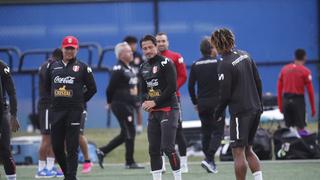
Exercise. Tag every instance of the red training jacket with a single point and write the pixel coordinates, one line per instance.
(180, 67)
(293, 79)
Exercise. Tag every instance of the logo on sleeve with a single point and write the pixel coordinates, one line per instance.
(310, 77)
(117, 67)
(221, 77)
(89, 69)
(165, 61)
(180, 60)
(6, 70)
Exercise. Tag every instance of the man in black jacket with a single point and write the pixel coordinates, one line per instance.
(160, 100)
(239, 88)
(66, 80)
(8, 121)
(121, 98)
(204, 74)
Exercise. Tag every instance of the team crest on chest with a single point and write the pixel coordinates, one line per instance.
(155, 69)
(76, 68)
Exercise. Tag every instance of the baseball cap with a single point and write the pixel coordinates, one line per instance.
(70, 41)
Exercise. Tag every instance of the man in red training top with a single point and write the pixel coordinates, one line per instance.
(292, 80)
(163, 45)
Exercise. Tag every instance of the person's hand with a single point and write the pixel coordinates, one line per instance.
(14, 124)
(217, 116)
(280, 109)
(196, 107)
(108, 106)
(148, 105)
(313, 112)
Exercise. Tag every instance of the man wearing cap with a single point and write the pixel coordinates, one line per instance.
(65, 81)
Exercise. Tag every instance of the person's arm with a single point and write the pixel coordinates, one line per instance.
(113, 83)
(191, 85)
(280, 90)
(181, 72)
(225, 86)
(10, 89)
(257, 80)
(309, 86)
(90, 83)
(143, 87)
(171, 78)
(8, 84)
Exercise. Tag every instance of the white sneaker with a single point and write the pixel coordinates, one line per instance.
(184, 168)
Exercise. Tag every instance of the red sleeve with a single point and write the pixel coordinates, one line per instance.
(181, 71)
(308, 83)
(280, 89)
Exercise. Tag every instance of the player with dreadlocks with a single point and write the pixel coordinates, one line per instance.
(240, 89)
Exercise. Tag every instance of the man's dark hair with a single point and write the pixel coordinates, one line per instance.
(57, 54)
(148, 38)
(161, 33)
(300, 54)
(205, 46)
(223, 40)
(130, 39)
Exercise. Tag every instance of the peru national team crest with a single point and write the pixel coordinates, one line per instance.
(154, 69)
(75, 68)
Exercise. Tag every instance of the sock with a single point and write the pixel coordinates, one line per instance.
(257, 175)
(41, 165)
(139, 128)
(163, 163)
(50, 163)
(157, 175)
(11, 177)
(177, 174)
(87, 161)
(183, 160)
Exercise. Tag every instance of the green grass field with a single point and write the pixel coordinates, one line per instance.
(285, 170)
(114, 170)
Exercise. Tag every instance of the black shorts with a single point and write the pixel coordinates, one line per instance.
(243, 128)
(45, 119)
(83, 121)
(294, 111)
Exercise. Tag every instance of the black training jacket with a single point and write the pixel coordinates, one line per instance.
(123, 85)
(7, 87)
(66, 84)
(240, 85)
(204, 75)
(159, 81)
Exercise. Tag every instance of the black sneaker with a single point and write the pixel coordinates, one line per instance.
(100, 156)
(133, 166)
(211, 167)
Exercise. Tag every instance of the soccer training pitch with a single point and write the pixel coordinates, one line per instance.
(114, 168)
(272, 170)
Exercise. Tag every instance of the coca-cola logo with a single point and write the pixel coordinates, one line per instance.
(152, 83)
(64, 80)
